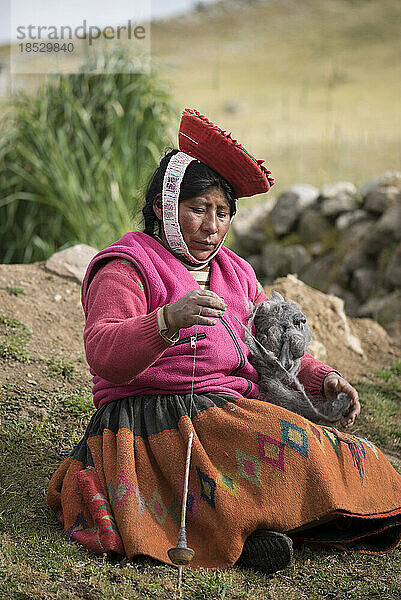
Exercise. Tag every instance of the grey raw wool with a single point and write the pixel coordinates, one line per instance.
(281, 338)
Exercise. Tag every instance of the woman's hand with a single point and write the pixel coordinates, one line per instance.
(200, 307)
(334, 384)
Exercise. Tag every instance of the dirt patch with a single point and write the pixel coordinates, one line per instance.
(49, 306)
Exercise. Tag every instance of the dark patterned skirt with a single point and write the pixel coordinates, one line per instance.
(254, 465)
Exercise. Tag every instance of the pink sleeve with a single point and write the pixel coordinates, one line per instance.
(312, 371)
(121, 340)
(312, 374)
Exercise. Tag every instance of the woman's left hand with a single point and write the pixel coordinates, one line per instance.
(334, 384)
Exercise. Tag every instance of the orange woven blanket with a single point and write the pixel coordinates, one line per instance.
(254, 465)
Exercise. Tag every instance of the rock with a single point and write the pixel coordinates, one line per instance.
(347, 219)
(249, 227)
(71, 262)
(354, 259)
(277, 261)
(351, 304)
(387, 178)
(312, 225)
(380, 200)
(357, 232)
(351, 252)
(364, 282)
(352, 340)
(274, 261)
(393, 271)
(317, 273)
(306, 195)
(255, 260)
(298, 258)
(338, 198)
(386, 231)
(386, 310)
(332, 242)
(394, 329)
(316, 249)
(381, 192)
(290, 205)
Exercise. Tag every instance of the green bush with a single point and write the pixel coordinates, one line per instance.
(74, 158)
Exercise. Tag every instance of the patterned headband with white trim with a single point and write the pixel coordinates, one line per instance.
(173, 177)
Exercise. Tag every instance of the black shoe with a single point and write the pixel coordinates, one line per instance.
(266, 551)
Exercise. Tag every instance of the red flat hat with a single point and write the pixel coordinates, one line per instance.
(203, 140)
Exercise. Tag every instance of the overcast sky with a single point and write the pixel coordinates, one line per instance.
(15, 13)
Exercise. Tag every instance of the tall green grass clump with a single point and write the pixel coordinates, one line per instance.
(74, 157)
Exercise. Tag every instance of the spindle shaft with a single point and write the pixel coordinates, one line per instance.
(181, 554)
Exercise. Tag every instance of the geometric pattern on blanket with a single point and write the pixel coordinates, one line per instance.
(123, 490)
(295, 437)
(271, 451)
(246, 473)
(157, 507)
(248, 466)
(228, 481)
(208, 487)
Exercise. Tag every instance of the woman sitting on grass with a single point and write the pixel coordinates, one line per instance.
(168, 356)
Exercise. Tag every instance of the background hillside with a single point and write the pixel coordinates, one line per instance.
(313, 86)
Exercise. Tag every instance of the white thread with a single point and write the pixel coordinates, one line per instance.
(182, 533)
(194, 346)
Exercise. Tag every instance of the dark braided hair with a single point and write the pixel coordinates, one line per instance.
(197, 179)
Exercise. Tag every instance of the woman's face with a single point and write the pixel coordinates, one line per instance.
(204, 221)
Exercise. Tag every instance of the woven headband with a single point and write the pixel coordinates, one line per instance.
(173, 177)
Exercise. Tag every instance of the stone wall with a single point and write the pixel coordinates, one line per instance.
(341, 239)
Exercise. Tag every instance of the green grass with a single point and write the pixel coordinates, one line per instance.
(14, 290)
(14, 336)
(37, 561)
(381, 408)
(59, 366)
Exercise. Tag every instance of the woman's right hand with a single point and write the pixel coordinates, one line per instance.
(199, 307)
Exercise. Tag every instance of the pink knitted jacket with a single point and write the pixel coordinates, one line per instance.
(123, 346)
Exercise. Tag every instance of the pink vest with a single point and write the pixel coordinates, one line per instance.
(222, 365)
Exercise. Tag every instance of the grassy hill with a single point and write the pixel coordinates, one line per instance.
(313, 86)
